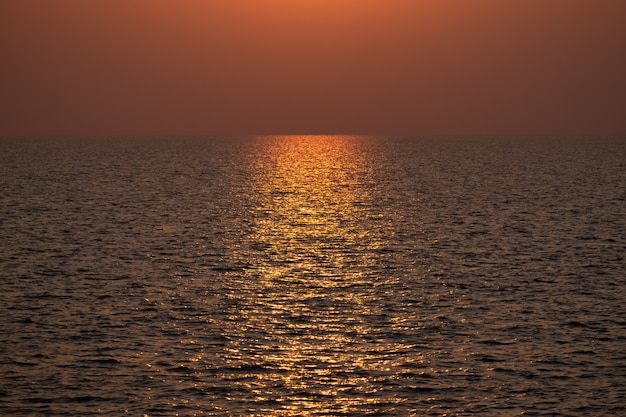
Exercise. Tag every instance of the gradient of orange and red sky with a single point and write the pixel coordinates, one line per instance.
(203, 67)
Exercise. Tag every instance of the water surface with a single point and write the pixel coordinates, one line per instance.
(313, 276)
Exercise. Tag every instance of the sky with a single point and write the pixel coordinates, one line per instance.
(247, 67)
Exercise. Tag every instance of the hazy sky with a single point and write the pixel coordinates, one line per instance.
(196, 67)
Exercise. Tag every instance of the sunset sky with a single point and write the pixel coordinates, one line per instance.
(230, 67)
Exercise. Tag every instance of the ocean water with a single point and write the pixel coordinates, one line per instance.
(313, 276)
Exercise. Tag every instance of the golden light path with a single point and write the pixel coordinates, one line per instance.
(304, 312)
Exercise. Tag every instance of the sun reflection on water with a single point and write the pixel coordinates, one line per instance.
(305, 309)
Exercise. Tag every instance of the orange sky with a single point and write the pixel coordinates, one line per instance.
(201, 67)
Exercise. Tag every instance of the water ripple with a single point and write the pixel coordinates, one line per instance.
(312, 276)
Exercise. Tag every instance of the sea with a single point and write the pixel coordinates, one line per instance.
(313, 276)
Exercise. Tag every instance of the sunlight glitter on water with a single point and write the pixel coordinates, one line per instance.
(309, 232)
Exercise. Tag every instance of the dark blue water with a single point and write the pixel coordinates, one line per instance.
(313, 276)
